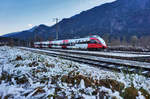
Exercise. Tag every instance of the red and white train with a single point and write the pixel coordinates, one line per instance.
(91, 42)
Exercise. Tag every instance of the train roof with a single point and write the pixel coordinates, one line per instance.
(70, 40)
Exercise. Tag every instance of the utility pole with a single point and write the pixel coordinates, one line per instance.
(56, 19)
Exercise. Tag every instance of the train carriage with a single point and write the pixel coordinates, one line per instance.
(91, 42)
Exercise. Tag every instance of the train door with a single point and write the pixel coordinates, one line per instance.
(64, 45)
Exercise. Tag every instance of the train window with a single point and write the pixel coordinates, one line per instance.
(92, 42)
(72, 44)
(82, 42)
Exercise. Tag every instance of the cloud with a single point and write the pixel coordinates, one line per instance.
(2, 34)
(30, 25)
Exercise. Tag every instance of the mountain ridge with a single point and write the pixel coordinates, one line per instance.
(117, 19)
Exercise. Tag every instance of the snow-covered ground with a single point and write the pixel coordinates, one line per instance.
(28, 75)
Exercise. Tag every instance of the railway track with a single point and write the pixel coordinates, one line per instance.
(142, 57)
(109, 63)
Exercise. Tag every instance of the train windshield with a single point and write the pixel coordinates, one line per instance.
(93, 42)
(102, 41)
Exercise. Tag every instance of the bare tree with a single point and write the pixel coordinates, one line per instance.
(115, 41)
(134, 40)
(12, 42)
(106, 37)
(124, 41)
(145, 41)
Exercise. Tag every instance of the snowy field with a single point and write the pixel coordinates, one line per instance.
(27, 75)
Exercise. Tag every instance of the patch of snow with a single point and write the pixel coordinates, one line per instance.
(82, 85)
(140, 96)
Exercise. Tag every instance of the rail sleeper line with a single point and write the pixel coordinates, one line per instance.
(98, 63)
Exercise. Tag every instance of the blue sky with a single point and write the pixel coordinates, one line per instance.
(18, 15)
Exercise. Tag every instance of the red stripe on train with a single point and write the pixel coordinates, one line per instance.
(95, 46)
(64, 42)
(50, 45)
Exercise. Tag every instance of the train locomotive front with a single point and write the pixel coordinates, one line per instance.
(91, 42)
(96, 42)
